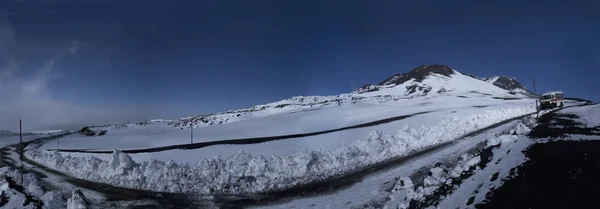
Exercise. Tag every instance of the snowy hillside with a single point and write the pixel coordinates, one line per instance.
(433, 80)
(426, 81)
(510, 84)
(419, 82)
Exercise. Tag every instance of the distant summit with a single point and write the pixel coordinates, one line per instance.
(509, 83)
(418, 74)
(421, 73)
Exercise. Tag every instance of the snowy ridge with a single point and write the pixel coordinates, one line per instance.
(509, 83)
(244, 173)
(492, 79)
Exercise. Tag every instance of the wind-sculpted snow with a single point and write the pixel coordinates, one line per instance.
(244, 173)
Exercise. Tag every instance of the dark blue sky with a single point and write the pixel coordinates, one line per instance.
(172, 58)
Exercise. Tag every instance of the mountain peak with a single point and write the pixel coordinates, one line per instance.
(438, 69)
(414, 80)
(508, 83)
(418, 74)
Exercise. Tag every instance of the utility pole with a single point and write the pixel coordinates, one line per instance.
(21, 140)
(537, 107)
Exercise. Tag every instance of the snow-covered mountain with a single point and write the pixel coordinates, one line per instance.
(509, 83)
(423, 81)
(418, 81)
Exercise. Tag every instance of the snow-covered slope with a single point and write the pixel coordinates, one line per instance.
(441, 78)
(425, 81)
(510, 84)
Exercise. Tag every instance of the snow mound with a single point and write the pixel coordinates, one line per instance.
(77, 201)
(122, 160)
(245, 173)
(53, 200)
(520, 129)
(404, 190)
(500, 140)
(439, 176)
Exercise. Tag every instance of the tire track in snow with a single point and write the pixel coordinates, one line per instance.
(253, 140)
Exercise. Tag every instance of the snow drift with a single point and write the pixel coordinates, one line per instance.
(244, 173)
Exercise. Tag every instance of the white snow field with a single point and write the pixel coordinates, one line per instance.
(452, 109)
(455, 110)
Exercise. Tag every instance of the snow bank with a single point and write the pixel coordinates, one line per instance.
(244, 173)
(500, 140)
(444, 176)
(77, 201)
(53, 200)
(31, 193)
(404, 190)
